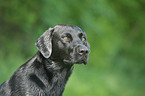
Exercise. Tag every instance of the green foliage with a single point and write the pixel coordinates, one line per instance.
(115, 30)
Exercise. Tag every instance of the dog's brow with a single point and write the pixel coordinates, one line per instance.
(67, 32)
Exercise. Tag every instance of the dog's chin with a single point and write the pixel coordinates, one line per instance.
(82, 61)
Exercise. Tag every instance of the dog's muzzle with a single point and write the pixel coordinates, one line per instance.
(82, 54)
(82, 50)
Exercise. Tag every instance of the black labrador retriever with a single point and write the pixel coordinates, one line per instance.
(48, 71)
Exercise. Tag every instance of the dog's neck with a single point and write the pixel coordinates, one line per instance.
(52, 63)
(56, 74)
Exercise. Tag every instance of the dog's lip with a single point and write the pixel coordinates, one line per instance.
(81, 62)
(72, 61)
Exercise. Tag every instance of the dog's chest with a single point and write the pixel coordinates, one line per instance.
(58, 82)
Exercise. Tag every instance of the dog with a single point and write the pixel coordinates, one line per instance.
(47, 72)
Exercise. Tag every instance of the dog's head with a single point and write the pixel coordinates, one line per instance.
(65, 43)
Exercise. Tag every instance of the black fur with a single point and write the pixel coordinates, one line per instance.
(48, 71)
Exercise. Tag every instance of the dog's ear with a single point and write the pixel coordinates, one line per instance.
(44, 44)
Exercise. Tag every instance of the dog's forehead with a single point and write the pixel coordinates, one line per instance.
(68, 28)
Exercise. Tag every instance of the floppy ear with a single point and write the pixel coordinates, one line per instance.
(44, 44)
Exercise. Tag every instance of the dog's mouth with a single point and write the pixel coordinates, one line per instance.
(80, 60)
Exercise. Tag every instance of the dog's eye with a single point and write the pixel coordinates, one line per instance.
(83, 38)
(65, 38)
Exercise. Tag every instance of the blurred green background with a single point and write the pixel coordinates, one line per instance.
(115, 30)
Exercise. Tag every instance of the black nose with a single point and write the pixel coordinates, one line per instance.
(83, 50)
